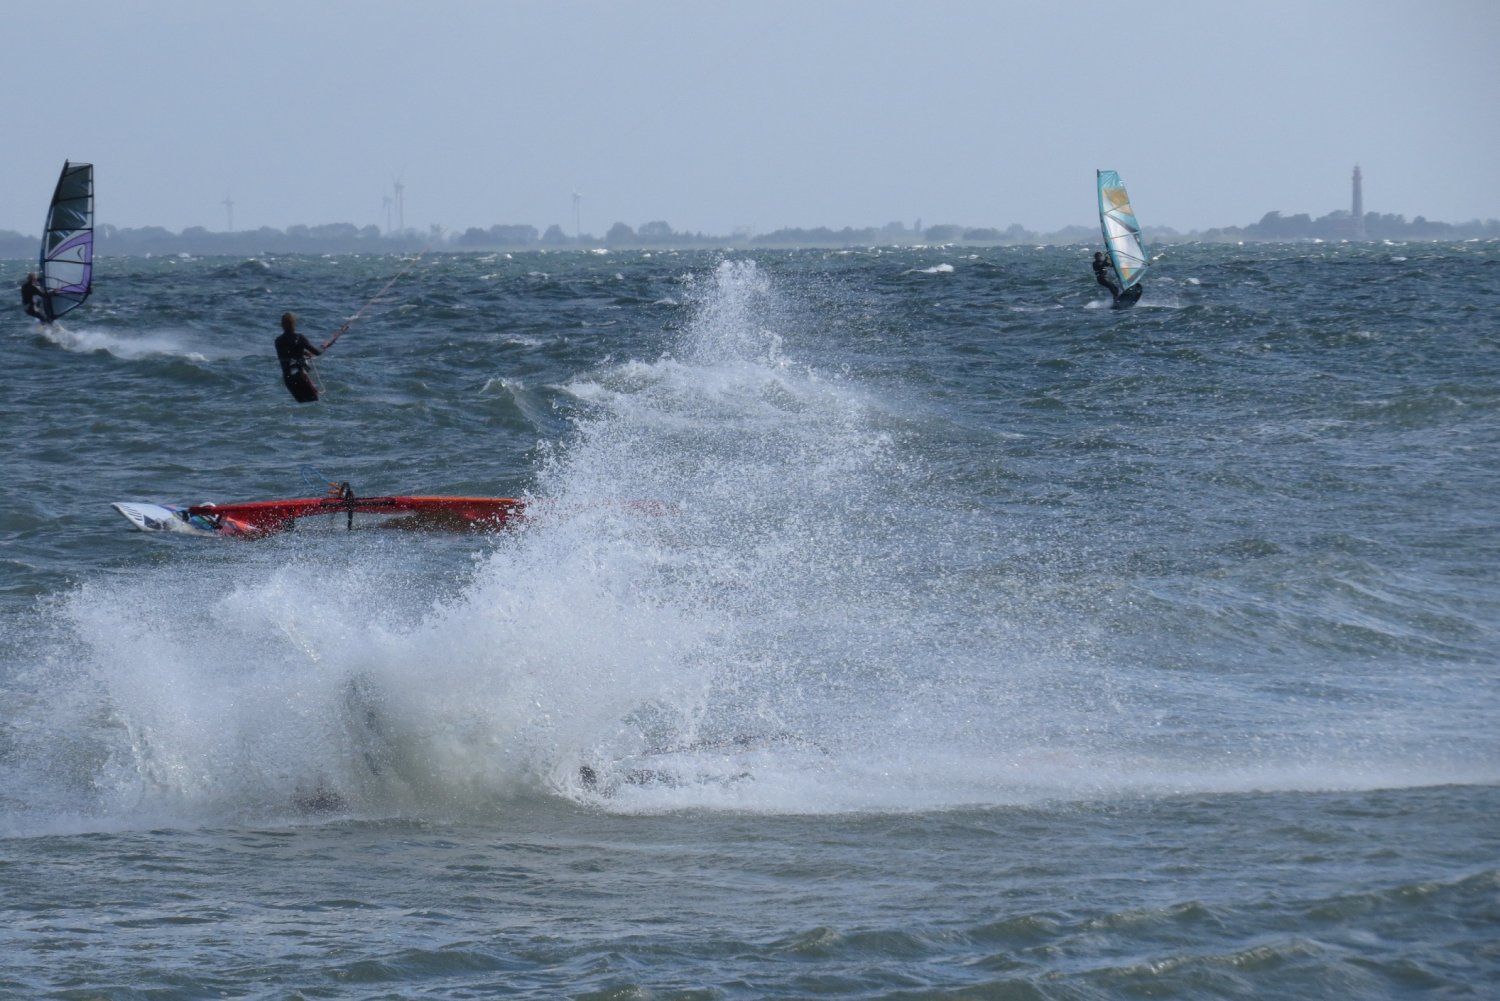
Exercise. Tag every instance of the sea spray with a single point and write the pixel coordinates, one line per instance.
(794, 536)
(733, 591)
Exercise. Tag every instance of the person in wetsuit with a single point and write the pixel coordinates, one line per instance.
(34, 298)
(1102, 267)
(293, 350)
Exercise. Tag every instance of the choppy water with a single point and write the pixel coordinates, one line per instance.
(978, 642)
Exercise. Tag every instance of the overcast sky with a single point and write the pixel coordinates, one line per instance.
(760, 114)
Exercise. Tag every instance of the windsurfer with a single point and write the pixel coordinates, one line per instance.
(1102, 268)
(34, 297)
(293, 351)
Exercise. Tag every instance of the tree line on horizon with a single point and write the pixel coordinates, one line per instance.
(1273, 227)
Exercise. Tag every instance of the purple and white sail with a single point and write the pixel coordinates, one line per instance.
(67, 264)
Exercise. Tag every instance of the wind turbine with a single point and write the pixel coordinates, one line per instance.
(400, 190)
(385, 201)
(577, 228)
(228, 204)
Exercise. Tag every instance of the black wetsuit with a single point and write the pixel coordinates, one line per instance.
(1101, 275)
(31, 292)
(293, 350)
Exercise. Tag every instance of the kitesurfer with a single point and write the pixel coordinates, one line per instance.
(34, 297)
(1102, 268)
(293, 351)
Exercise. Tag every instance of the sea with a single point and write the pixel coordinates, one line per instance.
(892, 623)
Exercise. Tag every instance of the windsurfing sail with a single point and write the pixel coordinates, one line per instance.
(253, 519)
(1122, 233)
(68, 241)
(452, 513)
(341, 509)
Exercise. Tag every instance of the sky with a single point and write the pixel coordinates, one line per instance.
(718, 117)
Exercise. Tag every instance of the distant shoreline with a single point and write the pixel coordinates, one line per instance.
(344, 238)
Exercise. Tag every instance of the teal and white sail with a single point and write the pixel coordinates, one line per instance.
(67, 264)
(1122, 233)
